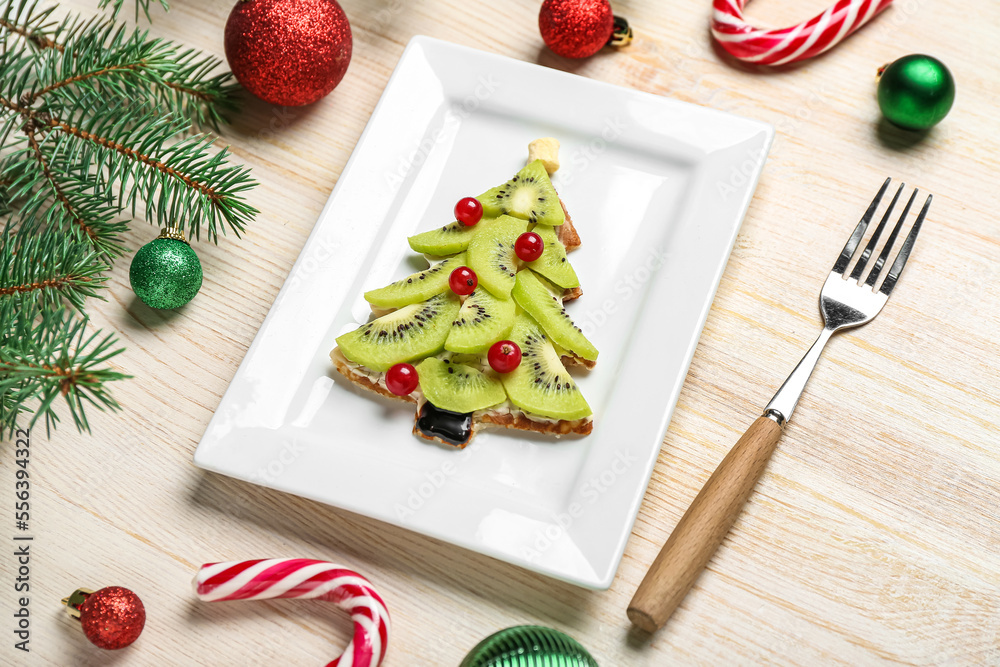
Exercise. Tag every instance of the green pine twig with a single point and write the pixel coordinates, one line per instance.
(78, 111)
(57, 358)
(101, 57)
(95, 119)
(116, 6)
(41, 271)
(23, 19)
(192, 91)
(98, 55)
(47, 199)
(139, 153)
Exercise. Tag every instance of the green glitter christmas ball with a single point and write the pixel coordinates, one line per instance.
(529, 646)
(916, 92)
(166, 272)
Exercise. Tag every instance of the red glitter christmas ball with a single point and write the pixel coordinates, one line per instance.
(576, 28)
(112, 617)
(288, 52)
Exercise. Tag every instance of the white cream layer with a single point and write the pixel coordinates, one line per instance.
(505, 408)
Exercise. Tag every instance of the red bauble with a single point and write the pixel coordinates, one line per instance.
(288, 52)
(576, 28)
(112, 617)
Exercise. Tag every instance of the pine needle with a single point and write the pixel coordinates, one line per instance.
(57, 358)
(116, 6)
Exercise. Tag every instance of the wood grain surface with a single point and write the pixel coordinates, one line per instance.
(873, 536)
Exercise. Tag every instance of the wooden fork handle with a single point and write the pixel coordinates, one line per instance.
(703, 526)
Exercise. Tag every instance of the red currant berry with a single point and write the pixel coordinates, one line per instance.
(504, 356)
(468, 211)
(529, 246)
(402, 379)
(463, 280)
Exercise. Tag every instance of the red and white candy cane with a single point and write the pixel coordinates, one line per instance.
(302, 578)
(787, 45)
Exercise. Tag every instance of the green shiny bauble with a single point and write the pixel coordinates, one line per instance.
(916, 92)
(529, 646)
(165, 273)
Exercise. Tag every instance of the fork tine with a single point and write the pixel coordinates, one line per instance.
(904, 252)
(859, 268)
(884, 255)
(859, 232)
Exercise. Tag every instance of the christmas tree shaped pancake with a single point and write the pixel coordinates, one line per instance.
(481, 337)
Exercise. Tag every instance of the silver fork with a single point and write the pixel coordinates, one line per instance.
(845, 303)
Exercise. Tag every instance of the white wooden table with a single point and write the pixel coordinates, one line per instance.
(874, 536)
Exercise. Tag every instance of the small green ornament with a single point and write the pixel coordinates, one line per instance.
(915, 92)
(166, 273)
(529, 646)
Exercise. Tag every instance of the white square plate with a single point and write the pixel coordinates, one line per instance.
(657, 190)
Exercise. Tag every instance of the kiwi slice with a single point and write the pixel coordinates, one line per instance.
(532, 294)
(528, 195)
(412, 332)
(447, 240)
(458, 388)
(541, 385)
(420, 286)
(483, 320)
(553, 263)
(491, 254)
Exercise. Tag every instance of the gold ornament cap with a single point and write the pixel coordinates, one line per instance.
(621, 34)
(174, 233)
(74, 601)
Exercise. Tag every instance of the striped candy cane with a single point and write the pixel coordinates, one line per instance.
(306, 579)
(787, 45)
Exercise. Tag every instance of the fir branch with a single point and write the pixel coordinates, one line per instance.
(84, 78)
(42, 270)
(82, 218)
(36, 38)
(16, 76)
(94, 119)
(101, 57)
(98, 56)
(24, 20)
(105, 59)
(56, 358)
(182, 183)
(49, 199)
(57, 193)
(192, 91)
(6, 206)
(145, 153)
(116, 6)
(10, 410)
